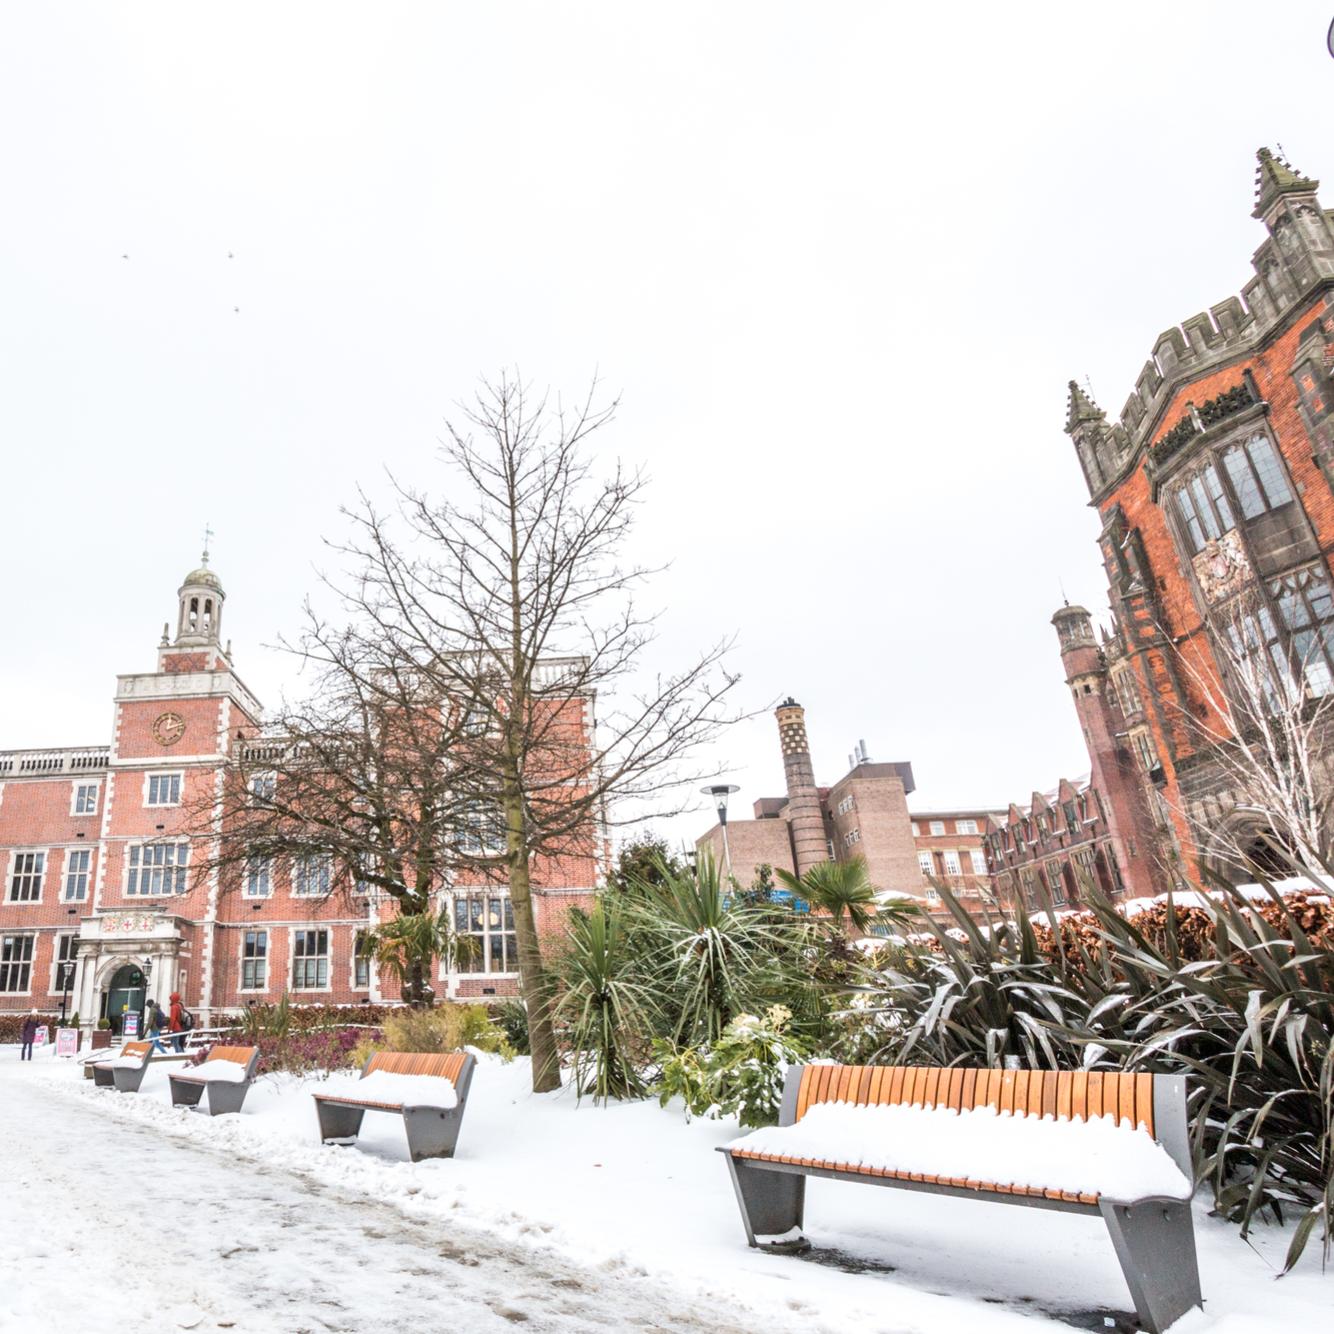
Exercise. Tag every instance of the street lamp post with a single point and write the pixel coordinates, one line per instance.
(720, 793)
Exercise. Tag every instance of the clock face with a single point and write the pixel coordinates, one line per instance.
(168, 729)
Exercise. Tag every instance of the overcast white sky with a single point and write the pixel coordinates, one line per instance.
(840, 259)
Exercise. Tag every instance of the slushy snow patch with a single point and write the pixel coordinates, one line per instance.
(127, 1062)
(409, 1090)
(1094, 1157)
(227, 1072)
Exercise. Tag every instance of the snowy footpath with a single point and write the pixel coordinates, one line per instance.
(118, 1211)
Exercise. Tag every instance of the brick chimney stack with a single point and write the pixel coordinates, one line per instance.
(804, 820)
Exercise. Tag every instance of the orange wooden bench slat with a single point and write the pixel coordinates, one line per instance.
(1144, 1101)
(1126, 1110)
(1049, 1081)
(864, 1084)
(1079, 1097)
(932, 1084)
(956, 1089)
(443, 1065)
(895, 1095)
(968, 1099)
(1094, 1094)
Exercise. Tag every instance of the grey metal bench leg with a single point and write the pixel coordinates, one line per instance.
(432, 1131)
(224, 1097)
(338, 1122)
(1155, 1243)
(185, 1092)
(103, 1078)
(771, 1202)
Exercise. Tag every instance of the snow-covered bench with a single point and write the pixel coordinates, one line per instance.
(1083, 1141)
(226, 1074)
(428, 1089)
(119, 1070)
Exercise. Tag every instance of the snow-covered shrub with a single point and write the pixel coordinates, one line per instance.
(1244, 1008)
(11, 1025)
(740, 1075)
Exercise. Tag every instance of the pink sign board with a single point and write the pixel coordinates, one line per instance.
(67, 1041)
(42, 1036)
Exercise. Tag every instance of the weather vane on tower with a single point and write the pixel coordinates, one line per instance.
(208, 538)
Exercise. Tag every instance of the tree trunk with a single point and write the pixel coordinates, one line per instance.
(532, 975)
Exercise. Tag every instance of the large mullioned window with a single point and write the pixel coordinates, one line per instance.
(157, 868)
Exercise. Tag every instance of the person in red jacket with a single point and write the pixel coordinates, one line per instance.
(176, 1022)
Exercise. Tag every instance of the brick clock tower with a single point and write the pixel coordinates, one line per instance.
(154, 913)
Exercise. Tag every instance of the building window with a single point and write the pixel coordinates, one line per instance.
(979, 858)
(1127, 692)
(1306, 609)
(487, 923)
(845, 805)
(311, 876)
(927, 862)
(255, 961)
(25, 879)
(951, 860)
(1256, 476)
(361, 963)
(851, 837)
(259, 878)
(1055, 882)
(916, 829)
(66, 955)
(77, 862)
(85, 799)
(16, 963)
(310, 960)
(1204, 509)
(932, 897)
(157, 868)
(263, 786)
(483, 829)
(965, 826)
(164, 790)
(937, 826)
(1145, 750)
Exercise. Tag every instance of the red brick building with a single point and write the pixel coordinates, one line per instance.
(865, 813)
(1214, 494)
(107, 899)
(952, 850)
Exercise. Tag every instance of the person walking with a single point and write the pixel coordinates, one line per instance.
(154, 1022)
(176, 1022)
(28, 1035)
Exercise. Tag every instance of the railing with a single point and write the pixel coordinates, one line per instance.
(44, 763)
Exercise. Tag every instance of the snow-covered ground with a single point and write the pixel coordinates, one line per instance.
(549, 1216)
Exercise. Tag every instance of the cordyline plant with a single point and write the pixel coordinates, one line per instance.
(1251, 1025)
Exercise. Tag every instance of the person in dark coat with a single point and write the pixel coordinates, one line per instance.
(176, 1024)
(28, 1035)
(154, 1022)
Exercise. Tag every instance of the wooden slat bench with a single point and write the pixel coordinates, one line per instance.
(106, 1075)
(224, 1095)
(1154, 1237)
(432, 1131)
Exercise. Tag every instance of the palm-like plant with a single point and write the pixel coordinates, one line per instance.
(407, 945)
(840, 889)
(606, 1001)
(714, 955)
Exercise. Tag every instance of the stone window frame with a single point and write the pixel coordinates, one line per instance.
(480, 927)
(360, 964)
(256, 871)
(926, 862)
(78, 788)
(257, 960)
(321, 863)
(301, 959)
(155, 777)
(936, 828)
(34, 874)
(1210, 454)
(66, 945)
(136, 868)
(10, 943)
(945, 862)
(965, 827)
(69, 872)
(979, 854)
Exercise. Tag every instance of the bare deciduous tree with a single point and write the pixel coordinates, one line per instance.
(509, 593)
(1268, 722)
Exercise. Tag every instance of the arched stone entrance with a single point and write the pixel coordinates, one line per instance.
(125, 991)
